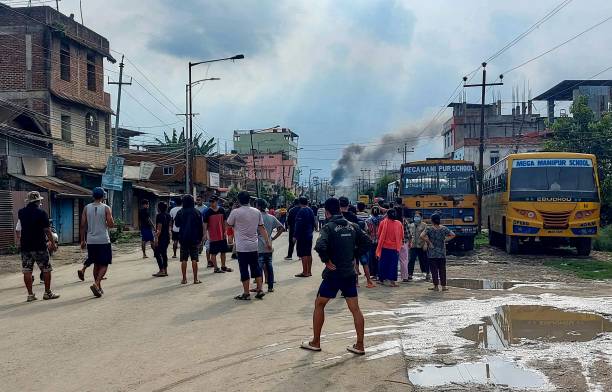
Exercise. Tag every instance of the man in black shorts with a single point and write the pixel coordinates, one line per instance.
(214, 231)
(339, 244)
(248, 223)
(191, 233)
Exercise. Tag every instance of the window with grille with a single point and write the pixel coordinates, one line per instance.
(66, 129)
(91, 71)
(92, 135)
(65, 61)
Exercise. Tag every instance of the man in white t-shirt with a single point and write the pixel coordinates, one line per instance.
(248, 223)
(175, 229)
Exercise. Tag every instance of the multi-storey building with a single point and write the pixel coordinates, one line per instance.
(520, 131)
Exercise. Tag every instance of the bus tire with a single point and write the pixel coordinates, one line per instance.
(512, 244)
(583, 246)
(468, 243)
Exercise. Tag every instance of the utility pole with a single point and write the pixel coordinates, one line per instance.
(254, 166)
(120, 83)
(481, 148)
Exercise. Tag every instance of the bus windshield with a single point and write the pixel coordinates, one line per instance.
(439, 179)
(559, 181)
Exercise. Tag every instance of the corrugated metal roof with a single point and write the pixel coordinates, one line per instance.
(60, 187)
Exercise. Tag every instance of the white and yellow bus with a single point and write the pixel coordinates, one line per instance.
(551, 196)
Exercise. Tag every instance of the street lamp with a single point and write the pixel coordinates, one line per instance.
(190, 84)
(188, 141)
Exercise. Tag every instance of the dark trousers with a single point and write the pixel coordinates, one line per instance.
(413, 253)
(373, 261)
(438, 271)
(265, 262)
(291, 244)
(161, 255)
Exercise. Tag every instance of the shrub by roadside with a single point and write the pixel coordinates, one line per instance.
(604, 241)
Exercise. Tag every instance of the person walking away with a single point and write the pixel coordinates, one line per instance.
(146, 227)
(364, 259)
(346, 213)
(338, 245)
(200, 206)
(304, 227)
(248, 223)
(34, 233)
(175, 230)
(215, 232)
(265, 256)
(436, 237)
(313, 207)
(390, 238)
(281, 215)
(416, 247)
(372, 225)
(95, 222)
(191, 233)
(163, 223)
(291, 227)
(321, 215)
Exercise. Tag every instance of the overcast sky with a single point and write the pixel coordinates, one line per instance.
(337, 71)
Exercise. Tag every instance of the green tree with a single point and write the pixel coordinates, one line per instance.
(380, 188)
(582, 133)
(178, 140)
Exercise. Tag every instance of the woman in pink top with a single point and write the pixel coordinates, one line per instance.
(390, 241)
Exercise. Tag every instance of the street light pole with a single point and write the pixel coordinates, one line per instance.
(190, 139)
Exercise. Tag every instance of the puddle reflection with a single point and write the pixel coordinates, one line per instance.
(514, 323)
(491, 371)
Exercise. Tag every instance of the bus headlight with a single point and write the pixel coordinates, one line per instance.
(584, 214)
(526, 213)
(468, 219)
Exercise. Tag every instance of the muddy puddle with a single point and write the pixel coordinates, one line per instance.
(517, 324)
(481, 284)
(495, 371)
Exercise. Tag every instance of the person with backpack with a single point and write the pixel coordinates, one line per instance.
(339, 243)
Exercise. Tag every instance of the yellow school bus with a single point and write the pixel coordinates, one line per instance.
(446, 187)
(551, 196)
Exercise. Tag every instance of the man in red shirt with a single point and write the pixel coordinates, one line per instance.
(214, 231)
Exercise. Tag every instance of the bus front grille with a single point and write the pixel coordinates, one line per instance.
(555, 220)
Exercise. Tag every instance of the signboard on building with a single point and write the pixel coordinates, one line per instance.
(146, 169)
(213, 180)
(113, 176)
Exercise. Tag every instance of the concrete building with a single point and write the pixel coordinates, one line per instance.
(272, 169)
(597, 92)
(520, 131)
(267, 141)
(52, 80)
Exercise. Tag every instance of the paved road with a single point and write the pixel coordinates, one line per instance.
(153, 334)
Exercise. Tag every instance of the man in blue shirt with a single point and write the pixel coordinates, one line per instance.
(304, 226)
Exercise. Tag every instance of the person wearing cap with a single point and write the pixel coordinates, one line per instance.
(215, 232)
(35, 230)
(95, 222)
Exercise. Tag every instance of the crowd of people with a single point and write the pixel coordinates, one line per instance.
(381, 243)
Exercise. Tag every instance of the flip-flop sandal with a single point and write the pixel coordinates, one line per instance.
(243, 297)
(96, 292)
(226, 269)
(218, 271)
(307, 346)
(260, 295)
(371, 285)
(197, 281)
(355, 350)
(81, 275)
(184, 281)
(301, 276)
